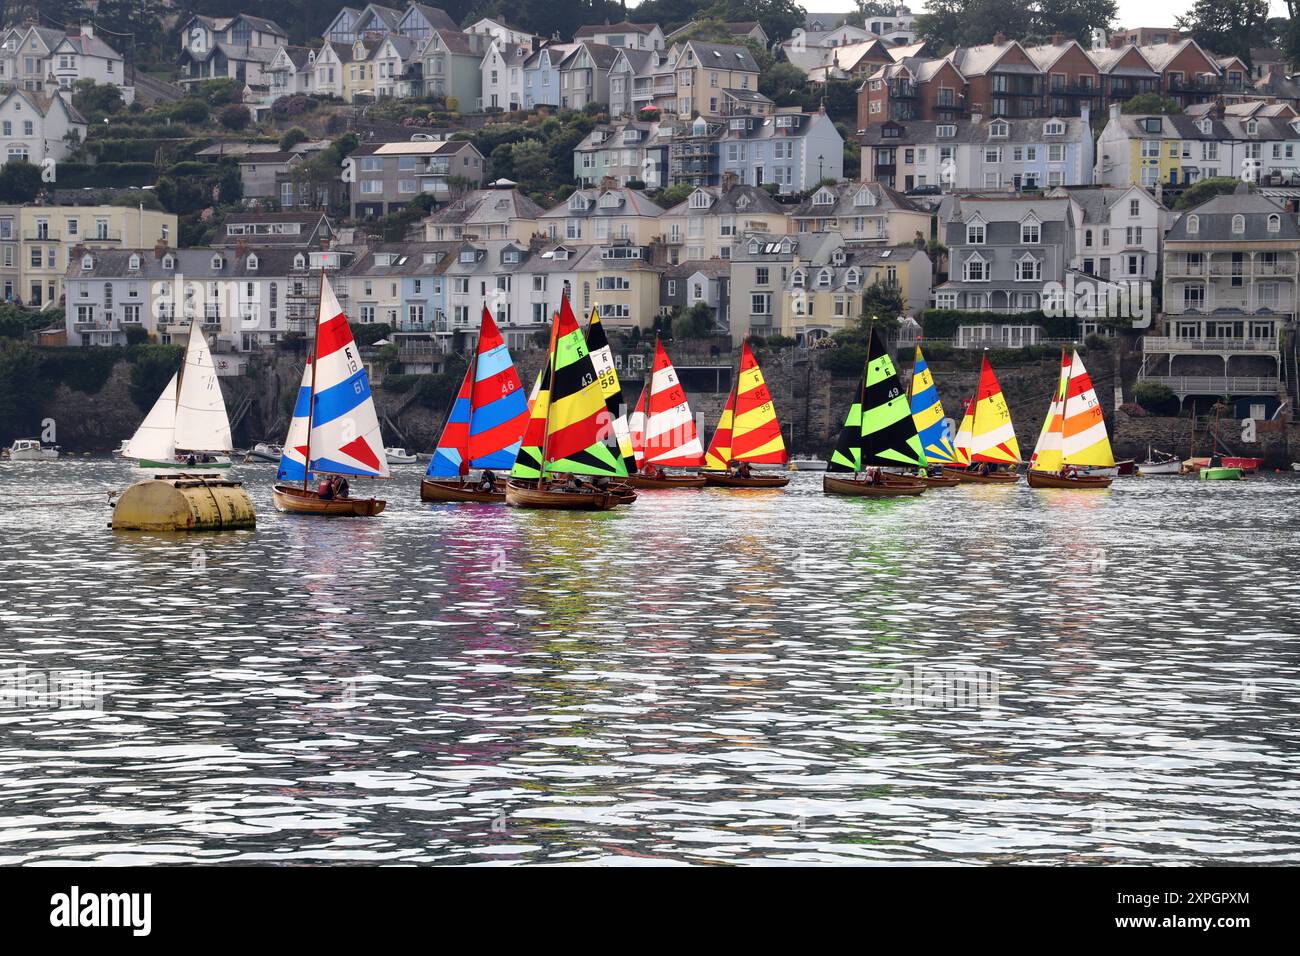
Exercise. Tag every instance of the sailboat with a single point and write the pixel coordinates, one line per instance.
(334, 430)
(602, 360)
(992, 436)
(485, 426)
(1073, 434)
(188, 422)
(747, 432)
(567, 424)
(931, 425)
(878, 433)
(663, 433)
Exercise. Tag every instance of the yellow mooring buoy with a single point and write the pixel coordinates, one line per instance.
(184, 504)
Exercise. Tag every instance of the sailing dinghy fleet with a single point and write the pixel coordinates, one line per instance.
(567, 444)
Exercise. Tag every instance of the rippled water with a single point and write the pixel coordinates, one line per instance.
(981, 674)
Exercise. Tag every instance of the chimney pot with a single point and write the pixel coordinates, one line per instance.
(1058, 39)
(1116, 42)
(159, 249)
(999, 38)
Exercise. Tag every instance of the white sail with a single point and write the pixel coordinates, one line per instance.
(201, 420)
(153, 439)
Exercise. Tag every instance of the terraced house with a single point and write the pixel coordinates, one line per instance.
(600, 215)
(709, 222)
(1230, 285)
(861, 213)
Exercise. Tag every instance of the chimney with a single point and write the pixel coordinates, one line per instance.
(999, 38)
(728, 180)
(1116, 42)
(78, 251)
(88, 30)
(608, 182)
(1058, 39)
(325, 244)
(1217, 110)
(159, 249)
(1116, 110)
(241, 247)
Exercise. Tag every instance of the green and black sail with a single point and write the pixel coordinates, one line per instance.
(889, 437)
(847, 456)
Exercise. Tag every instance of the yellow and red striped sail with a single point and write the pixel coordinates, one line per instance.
(755, 431)
(961, 443)
(669, 436)
(1047, 452)
(718, 457)
(1083, 428)
(993, 437)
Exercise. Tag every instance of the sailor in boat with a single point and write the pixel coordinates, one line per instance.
(658, 473)
(873, 476)
(740, 469)
(575, 483)
(190, 460)
(341, 487)
(325, 491)
(488, 482)
(601, 483)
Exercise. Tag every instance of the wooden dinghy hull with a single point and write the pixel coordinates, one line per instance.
(975, 478)
(457, 491)
(896, 486)
(927, 480)
(1043, 479)
(305, 502)
(646, 482)
(720, 479)
(522, 496)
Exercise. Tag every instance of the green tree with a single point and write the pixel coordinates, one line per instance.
(1206, 190)
(1146, 103)
(693, 323)
(96, 100)
(20, 181)
(292, 137)
(1228, 26)
(234, 117)
(1073, 18)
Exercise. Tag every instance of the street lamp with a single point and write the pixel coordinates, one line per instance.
(820, 157)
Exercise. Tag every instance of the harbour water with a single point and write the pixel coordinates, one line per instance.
(981, 674)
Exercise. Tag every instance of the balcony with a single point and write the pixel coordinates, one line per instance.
(903, 89)
(1127, 90)
(42, 235)
(1183, 385)
(1167, 344)
(1075, 89)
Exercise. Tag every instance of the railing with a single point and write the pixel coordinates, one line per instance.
(1217, 384)
(38, 235)
(1172, 343)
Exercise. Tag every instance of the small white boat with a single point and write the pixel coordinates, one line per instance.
(1165, 464)
(120, 450)
(1295, 466)
(197, 464)
(806, 464)
(398, 456)
(264, 452)
(30, 449)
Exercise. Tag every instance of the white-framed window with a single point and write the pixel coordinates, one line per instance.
(975, 233)
(1029, 269)
(975, 269)
(1031, 233)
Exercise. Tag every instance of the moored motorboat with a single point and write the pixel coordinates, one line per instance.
(398, 456)
(525, 494)
(306, 501)
(895, 487)
(31, 449)
(451, 489)
(1164, 464)
(724, 479)
(263, 452)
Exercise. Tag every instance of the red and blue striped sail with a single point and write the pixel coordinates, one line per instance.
(293, 460)
(487, 422)
(345, 437)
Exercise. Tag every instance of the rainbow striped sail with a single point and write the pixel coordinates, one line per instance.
(755, 431)
(487, 420)
(927, 413)
(669, 436)
(568, 419)
(1047, 450)
(993, 437)
(602, 359)
(335, 400)
(718, 456)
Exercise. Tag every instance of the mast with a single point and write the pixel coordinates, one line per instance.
(180, 379)
(311, 395)
(550, 394)
(473, 374)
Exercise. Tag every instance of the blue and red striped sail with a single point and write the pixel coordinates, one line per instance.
(344, 429)
(488, 418)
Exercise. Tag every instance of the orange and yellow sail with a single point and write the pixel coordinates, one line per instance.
(1084, 440)
(993, 437)
(1047, 451)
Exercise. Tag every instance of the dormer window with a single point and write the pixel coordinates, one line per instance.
(218, 263)
(169, 262)
(1238, 224)
(837, 257)
(865, 197)
(87, 262)
(252, 262)
(824, 197)
(797, 278)
(1252, 127)
(1152, 124)
(852, 278)
(975, 233)
(945, 131)
(1031, 232)
(824, 279)
(560, 253)
(133, 264)
(1193, 225)
(753, 248)
(467, 255)
(578, 202)
(1205, 125)
(1274, 223)
(701, 199)
(299, 262)
(611, 200)
(998, 129)
(1054, 128)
